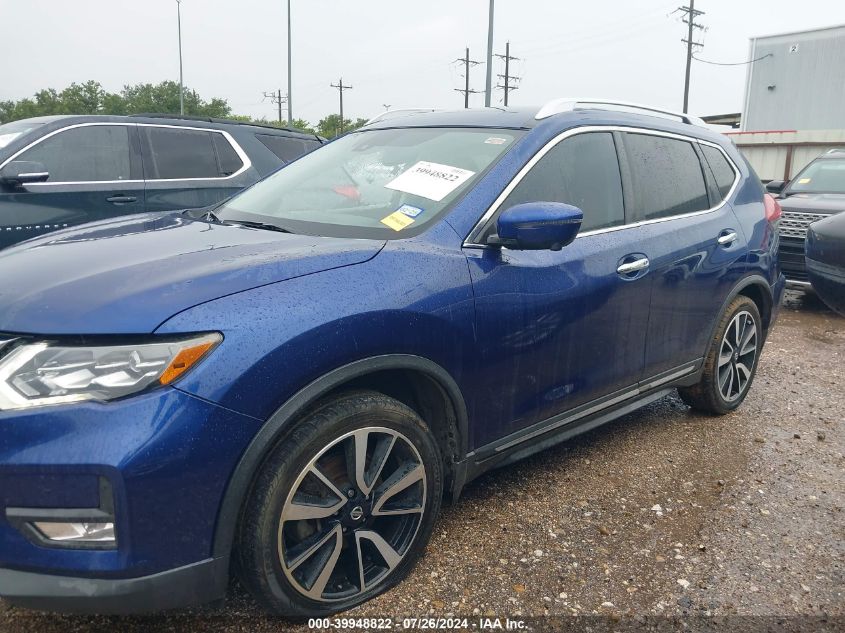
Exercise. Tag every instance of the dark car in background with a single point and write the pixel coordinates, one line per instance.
(825, 259)
(61, 171)
(817, 192)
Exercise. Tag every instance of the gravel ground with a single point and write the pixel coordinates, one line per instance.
(662, 513)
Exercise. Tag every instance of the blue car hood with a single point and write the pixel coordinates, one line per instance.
(129, 275)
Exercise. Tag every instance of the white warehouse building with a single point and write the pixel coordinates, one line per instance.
(794, 100)
(798, 82)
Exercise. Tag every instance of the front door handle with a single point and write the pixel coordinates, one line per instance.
(122, 199)
(632, 267)
(726, 238)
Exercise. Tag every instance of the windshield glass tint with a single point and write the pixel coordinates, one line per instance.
(378, 184)
(823, 176)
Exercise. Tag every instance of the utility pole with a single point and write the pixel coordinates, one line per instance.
(340, 88)
(290, 79)
(507, 77)
(468, 63)
(488, 91)
(181, 80)
(277, 98)
(691, 13)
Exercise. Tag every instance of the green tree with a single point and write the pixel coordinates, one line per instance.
(164, 98)
(299, 124)
(329, 126)
(302, 124)
(91, 98)
(87, 98)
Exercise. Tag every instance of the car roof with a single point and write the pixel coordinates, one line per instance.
(833, 153)
(170, 119)
(517, 118)
(526, 118)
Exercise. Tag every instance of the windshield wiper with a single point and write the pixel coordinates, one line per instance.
(264, 226)
(206, 215)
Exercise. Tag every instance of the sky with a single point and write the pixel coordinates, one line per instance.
(394, 52)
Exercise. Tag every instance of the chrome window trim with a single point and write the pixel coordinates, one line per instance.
(479, 227)
(246, 162)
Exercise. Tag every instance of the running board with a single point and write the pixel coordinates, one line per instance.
(574, 422)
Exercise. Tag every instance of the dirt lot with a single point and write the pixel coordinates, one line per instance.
(664, 512)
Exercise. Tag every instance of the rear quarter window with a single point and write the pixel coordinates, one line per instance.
(667, 177)
(285, 147)
(722, 170)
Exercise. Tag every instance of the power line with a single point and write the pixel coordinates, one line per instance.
(507, 77)
(691, 13)
(278, 99)
(468, 63)
(340, 88)
(750, 61)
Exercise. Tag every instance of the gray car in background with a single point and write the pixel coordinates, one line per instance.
(61, 171)
(817, 192)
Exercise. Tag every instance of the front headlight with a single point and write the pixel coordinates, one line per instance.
(42, 373)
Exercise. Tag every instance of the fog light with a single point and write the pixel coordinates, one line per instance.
(77, 532)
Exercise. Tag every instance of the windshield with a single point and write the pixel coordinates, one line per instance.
(10, 131)
(375, 184)
(826, 175)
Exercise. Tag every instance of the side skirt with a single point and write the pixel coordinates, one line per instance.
(564, 426)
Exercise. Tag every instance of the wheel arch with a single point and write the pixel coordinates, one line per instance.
(416, 381)
(756, 288)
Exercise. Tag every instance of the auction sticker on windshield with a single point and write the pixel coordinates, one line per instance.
(430, 180)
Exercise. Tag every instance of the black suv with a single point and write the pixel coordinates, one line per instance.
(817, 192)
(61, 171)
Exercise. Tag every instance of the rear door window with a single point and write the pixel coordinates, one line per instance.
(583, 171)
(667, 177)
(91, 153)
(722, 171)
(172, 153)
(285, 147)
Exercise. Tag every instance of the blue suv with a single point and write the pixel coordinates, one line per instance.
(287, 385)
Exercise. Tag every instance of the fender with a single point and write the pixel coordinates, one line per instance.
(279, 423)
(750, 280)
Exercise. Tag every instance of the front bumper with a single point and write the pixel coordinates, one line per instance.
(164, 458)
(187, 586)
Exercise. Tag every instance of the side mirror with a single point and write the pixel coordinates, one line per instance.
(537, 226)
(23, 172)
(776, 186)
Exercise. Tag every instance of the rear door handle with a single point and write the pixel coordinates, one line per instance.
(122, 199)
(632, 267)
(726, 238)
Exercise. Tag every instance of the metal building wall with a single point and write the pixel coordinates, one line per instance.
(801, 86)
(781, 155)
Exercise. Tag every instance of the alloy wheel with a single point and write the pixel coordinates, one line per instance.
(737, 356)
(352, 514)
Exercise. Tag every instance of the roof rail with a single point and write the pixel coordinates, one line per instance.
(208, 119)
(567, 104)
(400, 112)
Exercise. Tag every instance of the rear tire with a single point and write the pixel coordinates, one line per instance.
(731, 361)
(342, 508)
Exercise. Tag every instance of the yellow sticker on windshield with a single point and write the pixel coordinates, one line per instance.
(804, 181)
(397, 221)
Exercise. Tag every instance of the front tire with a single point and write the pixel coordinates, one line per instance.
(731, 361)
(342, 508)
